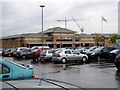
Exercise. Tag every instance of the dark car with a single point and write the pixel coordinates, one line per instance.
(101, 53)
(117, 62)
(25, 53)
(8, 52)
(112, 55)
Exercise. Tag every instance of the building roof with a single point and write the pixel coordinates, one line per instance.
(58, 30)
(32, 35)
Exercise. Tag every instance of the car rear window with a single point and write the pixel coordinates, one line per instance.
(50, 51)
(43, 52)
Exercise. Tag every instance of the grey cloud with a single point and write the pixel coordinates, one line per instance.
(25, 17)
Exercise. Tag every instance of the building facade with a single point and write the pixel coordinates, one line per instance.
(54, 37)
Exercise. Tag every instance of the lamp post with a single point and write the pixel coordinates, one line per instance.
(42, 23)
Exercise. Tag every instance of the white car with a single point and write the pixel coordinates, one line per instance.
(65, 56)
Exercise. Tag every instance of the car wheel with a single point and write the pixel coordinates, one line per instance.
(117, 66)
(64, 60)
(84, 60)
(39, 58)
(9, 55)
(98, 58)
(23, 56)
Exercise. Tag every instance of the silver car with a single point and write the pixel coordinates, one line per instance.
(45, 55)
(65, 56)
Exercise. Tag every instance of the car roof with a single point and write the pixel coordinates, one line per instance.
(42, 83)
(11, 62)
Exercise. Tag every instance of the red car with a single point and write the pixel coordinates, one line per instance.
(8, 52)
(36, 52)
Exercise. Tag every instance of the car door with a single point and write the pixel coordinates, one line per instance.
(76, 55)
(5, 72)
(49, 53)
(28, 52)
(68, 55)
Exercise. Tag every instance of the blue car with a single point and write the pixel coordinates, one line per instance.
(10, 70)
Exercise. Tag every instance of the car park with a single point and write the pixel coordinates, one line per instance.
(65, 56)
(11, 70)
(101, 53)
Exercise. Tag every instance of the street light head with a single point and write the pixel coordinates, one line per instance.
(42, 5)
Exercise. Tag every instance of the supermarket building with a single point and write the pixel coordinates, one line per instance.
(54, 37)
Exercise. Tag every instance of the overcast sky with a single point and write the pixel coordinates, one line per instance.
(24, 16)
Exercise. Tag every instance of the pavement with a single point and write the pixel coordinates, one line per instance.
(94, 75)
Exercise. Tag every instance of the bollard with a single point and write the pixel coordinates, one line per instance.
(64, 66)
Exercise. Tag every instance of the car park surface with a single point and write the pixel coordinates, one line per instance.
(96, 74)
(40, 83)
(89, 76)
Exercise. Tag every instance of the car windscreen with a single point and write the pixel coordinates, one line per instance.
(50, 51)
(59, 51)
(97, 49)
(43, 52)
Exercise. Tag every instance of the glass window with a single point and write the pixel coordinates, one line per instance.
(0, 68)
(5, 69)
(105, 50)
(67, 52)
(50, 51)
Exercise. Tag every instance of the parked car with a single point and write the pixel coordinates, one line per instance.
(83, 49)
(1, 49)
(8, 52)
(91, 49)
(46, 55)
(25, 53)
(101, 53)
(39, 47)
(117, 62)
(18, 50)
(36, 52)
(65, 56)
(112, 55)
(10, 70)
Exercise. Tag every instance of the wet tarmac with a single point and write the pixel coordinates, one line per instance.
(94, 75)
